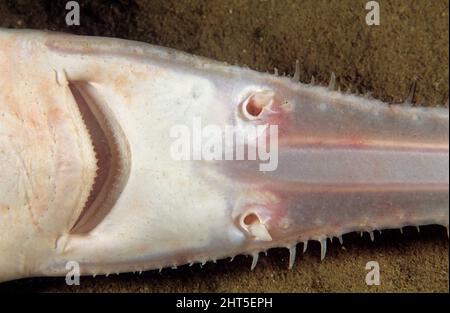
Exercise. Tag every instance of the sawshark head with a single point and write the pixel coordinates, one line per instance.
(123, 156)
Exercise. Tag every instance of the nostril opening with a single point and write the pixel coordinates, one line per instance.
(253, 107)
(253, 227)
(250, 219)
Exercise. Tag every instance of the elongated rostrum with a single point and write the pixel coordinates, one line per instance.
(123, 156)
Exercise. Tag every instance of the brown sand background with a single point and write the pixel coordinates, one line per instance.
(325, 36)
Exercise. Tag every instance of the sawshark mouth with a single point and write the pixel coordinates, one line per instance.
(112, 154)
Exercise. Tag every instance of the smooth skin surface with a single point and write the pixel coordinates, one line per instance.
(325, 36)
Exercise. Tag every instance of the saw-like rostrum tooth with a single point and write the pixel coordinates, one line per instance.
(292, 254)
(305, 245)
(255, 256)
(341, 240)
(296, 76)
(332, 84)
(412, 91)
(323, 248)
(313, 81)
(372, 236)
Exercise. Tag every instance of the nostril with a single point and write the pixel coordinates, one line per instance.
(250, 219)
(254, 228)
(253, 107)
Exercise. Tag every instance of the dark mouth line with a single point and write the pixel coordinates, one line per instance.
(112, 152)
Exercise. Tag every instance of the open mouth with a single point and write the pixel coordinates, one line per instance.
(112, 152)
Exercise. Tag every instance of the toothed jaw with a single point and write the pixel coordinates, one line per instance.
(167, 213)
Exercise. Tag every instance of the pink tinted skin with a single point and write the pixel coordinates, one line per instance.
(345, 164)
